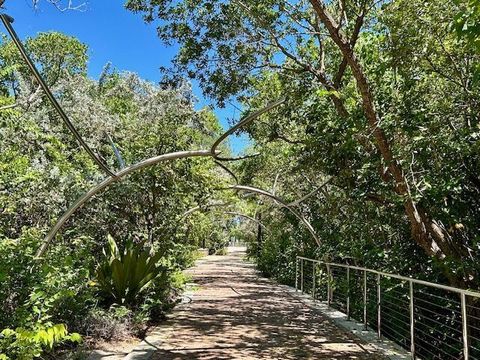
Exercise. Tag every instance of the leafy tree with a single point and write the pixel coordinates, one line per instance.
(57, 55)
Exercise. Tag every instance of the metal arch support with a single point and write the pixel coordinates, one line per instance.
(237, 158)
(282, 204)
(313, 192)
(206, 207)
(246, 217)
(248, 119)
(220, 204)
(227, 170)
(108, 181)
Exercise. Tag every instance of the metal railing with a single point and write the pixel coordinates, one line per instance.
(432, 321)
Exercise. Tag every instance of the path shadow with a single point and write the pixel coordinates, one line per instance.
(238, 315)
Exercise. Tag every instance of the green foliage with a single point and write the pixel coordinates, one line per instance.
(420, 59)
(124, 275)
(466, 24)
(43, 170)
(422, 75)
(221, 251)
(22, 344)
(58, 55)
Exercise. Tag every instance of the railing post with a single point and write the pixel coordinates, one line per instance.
(314, 280)
(328, 284)
(301, 275)
(379, 308)
(365, 298)
(348, 292)
(296, 274)
(412, 321)
(464, 326)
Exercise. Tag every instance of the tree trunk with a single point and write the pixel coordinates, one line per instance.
(259, 234)
(425, 231)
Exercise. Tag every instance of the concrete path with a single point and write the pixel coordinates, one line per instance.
(236, 314)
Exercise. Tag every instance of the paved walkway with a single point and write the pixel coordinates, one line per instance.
(235, 314)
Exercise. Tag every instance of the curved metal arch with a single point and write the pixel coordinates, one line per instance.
(251, 156)
(213, 152)
(108, 181)
(275, 198)
(248, 119)
(283, 204)
(227, 170)
(311, 193)
(246, 217)
(198, 208)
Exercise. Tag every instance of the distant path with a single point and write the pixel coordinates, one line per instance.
(235, 314)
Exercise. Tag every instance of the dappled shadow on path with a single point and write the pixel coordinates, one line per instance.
(236, 314)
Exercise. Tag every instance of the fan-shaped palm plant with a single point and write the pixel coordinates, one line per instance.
(124, 275)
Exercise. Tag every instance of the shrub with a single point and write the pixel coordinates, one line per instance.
(123, 276)
(114, 323)
(23, 344)
(221, 251)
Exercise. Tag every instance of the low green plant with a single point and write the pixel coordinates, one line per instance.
(24, 344)
(124, 275)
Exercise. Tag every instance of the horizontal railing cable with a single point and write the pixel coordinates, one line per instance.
(432, 321)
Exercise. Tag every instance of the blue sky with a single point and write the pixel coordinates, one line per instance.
(113, 35)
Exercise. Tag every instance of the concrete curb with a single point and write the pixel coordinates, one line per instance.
(146, 349)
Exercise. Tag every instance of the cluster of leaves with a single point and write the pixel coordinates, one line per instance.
(125, 274)
(28, 344)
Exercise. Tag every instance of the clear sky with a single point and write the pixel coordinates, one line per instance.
(114, 35)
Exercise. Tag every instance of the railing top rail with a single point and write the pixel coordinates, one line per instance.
(400, 277)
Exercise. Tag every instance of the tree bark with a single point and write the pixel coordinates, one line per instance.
(259, 235)
(425, 231)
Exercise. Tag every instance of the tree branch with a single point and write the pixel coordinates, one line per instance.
(353, 40)
(6, 107)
